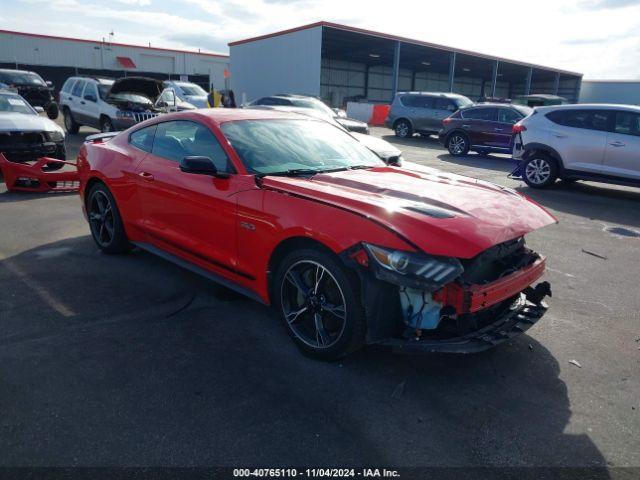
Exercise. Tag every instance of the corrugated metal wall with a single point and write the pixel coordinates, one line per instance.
(610, 92)
(34, 50)
(288, 63)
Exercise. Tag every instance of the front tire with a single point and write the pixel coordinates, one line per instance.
(540, 171)
(458, 144)
(53, 111)
(106, 125)
(319, 304)
(403, 129)
(105, 221)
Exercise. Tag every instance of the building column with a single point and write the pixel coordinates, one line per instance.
(413, 80)
(366, 81)
(527, 84)
(556, 84)
(577, 90)
(452, 70)
(495, 78)
(396, 70)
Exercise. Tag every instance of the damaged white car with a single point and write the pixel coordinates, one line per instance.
(115, 105)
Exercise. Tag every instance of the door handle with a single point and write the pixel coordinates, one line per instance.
(559, 135)
(147, 176)
(82, 102)
(616, 144)
(466, 126)
(497, 129)
(70, 98)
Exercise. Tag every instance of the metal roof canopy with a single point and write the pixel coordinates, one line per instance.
(362, 38)
(355, 45)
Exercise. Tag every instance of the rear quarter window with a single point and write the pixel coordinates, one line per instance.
(66, 88)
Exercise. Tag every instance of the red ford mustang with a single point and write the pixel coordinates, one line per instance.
(296, 213)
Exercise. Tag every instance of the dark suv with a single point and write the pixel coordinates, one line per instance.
(485, 128)
(32, 88)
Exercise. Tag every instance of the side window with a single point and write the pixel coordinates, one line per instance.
(627, 123)
(587, 119)
(77, 88)
(507, 115)
(479, 114)
(143, 138)
(423, 101)
(445, 104)
(600, 120)
(90, 92)
(178, 139)
(407, 100)
(66, 88)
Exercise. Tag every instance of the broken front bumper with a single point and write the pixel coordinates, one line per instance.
(26, 177)
(521, 315)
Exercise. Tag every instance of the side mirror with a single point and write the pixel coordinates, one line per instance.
(162, 104)
(339, 112)
(39, 109)
(91, 98)
(200, 166)
(49, 84)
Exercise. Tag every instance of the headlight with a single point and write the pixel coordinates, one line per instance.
(55, 136)
(413, 269)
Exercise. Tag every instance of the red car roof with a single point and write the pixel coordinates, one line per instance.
(221, 115)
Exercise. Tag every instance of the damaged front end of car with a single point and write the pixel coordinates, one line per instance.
(420, 303)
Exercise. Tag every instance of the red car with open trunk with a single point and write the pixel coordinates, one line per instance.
(294, 212)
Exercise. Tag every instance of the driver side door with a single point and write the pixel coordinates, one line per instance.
(189, 215)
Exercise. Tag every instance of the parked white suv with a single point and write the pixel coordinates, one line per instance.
(598, 142)
(115, 105)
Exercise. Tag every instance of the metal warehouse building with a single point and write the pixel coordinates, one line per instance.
(338, 63)
(610, 91)
(57, 58)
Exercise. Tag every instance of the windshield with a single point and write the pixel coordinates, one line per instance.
(283, 146)
(462, 102)
(21, 78)
(312, 103)
(191, 89)
(15, 104)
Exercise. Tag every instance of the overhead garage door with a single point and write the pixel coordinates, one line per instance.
(157, 63)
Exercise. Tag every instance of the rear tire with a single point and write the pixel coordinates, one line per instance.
(105, 221)
(324, 317)
(540, 171)
(458, 144)
(69, 123)
(403, 129)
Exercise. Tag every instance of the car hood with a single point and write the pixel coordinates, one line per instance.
(440, 213)
(149, 87)
(349, 122)
(380, 147)
(25, 122)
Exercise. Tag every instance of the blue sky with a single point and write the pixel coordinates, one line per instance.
(600, 38)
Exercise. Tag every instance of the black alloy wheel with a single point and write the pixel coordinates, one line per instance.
(318, 305)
